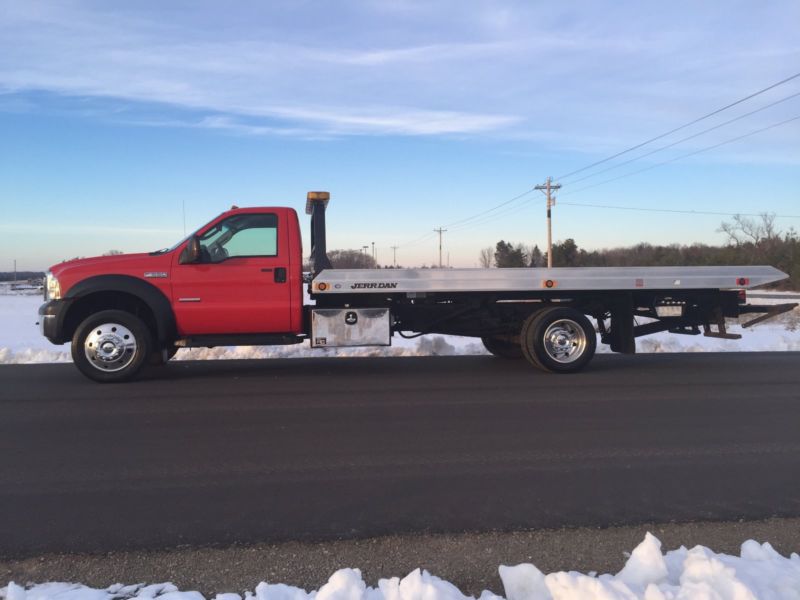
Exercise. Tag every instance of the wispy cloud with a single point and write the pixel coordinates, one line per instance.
(413, 69)
(331, 122)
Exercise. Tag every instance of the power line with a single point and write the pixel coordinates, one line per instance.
(502, 204)
(485, 216)
(490, 218)
(673, 210)
(466, 220)
(672, 160)
(684, 126)
(417, 240)
(770, 105)
(686, 139)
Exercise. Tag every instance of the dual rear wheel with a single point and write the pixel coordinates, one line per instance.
(555, 339)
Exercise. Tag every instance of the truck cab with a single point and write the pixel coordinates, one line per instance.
(238, 275)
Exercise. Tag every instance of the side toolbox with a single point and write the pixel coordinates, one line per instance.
(341, 327)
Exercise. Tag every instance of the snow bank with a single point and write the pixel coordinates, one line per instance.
(20, 341)
(699, 573)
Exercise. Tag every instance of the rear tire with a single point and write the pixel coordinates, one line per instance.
(558, 340)
(502, 348)
(111, 346)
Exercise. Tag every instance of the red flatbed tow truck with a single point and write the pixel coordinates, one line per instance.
(238, 280)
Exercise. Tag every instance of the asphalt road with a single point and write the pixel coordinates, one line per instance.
(212, 453)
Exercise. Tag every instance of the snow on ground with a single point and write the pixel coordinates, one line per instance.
(20, 341)
(759, 572)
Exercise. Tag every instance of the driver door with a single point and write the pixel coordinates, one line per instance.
(239, 284)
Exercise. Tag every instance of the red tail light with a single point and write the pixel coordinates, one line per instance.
(742, 296)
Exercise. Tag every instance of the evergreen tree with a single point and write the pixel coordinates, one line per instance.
(507, 255)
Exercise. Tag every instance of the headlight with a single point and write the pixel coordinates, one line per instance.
(52, 289)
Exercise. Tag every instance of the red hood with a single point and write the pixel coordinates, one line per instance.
(99, 262)
(135, 265)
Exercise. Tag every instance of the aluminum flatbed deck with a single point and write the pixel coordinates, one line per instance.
(368, 281)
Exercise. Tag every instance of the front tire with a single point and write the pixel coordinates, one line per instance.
(558, 339)
(111, 346)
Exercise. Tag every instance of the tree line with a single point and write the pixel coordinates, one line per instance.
(749, 242)
(20, 275)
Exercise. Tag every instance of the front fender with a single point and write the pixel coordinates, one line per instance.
(145, 291)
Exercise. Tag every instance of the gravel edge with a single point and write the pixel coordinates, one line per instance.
(469, 560)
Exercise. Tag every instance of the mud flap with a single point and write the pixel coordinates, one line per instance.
(621, 338)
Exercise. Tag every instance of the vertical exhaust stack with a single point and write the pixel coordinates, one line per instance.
(316, 203)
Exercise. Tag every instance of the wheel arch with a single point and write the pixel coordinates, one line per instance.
(124, 292)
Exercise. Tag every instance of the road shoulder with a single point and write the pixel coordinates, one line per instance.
(469, 560)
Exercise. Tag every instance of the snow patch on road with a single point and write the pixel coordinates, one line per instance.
(759, 572)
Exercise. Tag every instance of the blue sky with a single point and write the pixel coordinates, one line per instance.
(414, 114)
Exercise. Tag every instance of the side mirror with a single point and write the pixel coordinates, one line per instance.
(191, 254)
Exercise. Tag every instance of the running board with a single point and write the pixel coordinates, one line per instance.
(239, 339)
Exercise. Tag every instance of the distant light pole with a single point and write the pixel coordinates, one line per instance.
(440, 231)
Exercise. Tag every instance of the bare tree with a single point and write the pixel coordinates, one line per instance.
(744, 230)
(351, 259)
(113, 253)
(487, 257)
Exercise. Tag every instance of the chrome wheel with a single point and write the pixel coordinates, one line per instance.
(110, 347)
(564, 341)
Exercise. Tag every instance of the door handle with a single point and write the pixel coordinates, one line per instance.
(280, 274)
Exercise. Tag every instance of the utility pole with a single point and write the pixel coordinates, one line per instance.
(548, 187)
(440, 231)
(15, 270)
(375, 258)
(394, 255)
(364, 250)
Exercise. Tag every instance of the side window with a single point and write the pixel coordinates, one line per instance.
(240, 235)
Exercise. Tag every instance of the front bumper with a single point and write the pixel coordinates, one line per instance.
(51, 320)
